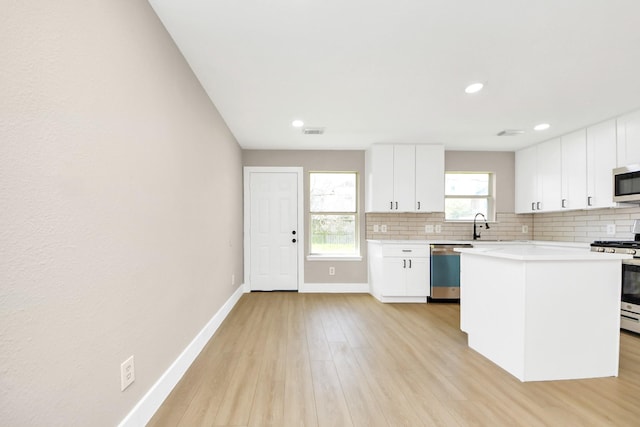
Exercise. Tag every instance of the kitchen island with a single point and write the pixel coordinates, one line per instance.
(542, 312)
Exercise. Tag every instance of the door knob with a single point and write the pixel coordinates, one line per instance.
(293, 240)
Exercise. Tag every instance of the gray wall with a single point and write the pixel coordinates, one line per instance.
(121, 209)
(316, 161)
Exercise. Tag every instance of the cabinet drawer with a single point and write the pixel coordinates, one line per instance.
(409, 251)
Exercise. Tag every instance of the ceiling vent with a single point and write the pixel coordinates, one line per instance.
(313, 131)
(510, 132)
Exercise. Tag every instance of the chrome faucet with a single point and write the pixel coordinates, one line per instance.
(476, 232)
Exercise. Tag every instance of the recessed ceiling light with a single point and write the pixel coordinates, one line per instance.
(541, 126)
(297, 123)
(474, 87)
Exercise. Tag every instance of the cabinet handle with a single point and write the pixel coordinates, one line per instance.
(589, 200)
(533, 206)
(391, 206)
(404, 263)
(564, 203)
(538, 205)
(396, 205)
(407, 250)
(418, 205)
(409, 263)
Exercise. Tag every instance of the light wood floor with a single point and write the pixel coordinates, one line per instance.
(288, 359)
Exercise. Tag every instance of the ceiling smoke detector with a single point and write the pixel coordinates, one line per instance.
(510, 132)
(313, 131)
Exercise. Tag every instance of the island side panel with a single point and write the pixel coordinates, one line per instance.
(492, 309)
(572, 319)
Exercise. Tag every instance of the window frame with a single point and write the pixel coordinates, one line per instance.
(338, 256)
(490, 197)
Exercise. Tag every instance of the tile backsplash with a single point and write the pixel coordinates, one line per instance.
(586, 226)
(411, 226)
(570, 226)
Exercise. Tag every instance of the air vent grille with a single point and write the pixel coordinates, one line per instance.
(510, 132)
(313, 131)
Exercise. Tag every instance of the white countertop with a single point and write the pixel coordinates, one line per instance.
(539, 251)
(486, 243)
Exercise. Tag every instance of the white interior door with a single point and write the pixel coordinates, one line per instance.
(274, 230)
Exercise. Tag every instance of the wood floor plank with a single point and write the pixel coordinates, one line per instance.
(291, 359)
(330, 401)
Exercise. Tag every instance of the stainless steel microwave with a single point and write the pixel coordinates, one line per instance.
(626, 184)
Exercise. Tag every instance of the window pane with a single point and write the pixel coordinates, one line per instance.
(333, 234)
(465, 209)
(332, 192)
(467, 184)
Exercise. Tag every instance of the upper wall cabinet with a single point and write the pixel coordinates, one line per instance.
(574, 170)
(404, 178)
(571, 172)
(601, 160)
(629, 139)
(538, 174)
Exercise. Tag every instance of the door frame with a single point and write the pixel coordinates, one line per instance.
(247, 171)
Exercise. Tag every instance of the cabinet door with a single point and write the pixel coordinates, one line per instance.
(418, 277)
(393, 277)
(574, 170)
(379, 178)
(429, 178)
(549, 175)
(601, 160)
(404, 178)
(629, 139)
(526, 180)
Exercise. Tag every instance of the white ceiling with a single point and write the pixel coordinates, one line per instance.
(394, 71)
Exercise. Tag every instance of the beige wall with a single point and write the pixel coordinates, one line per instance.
(501, 163)
(121, 208)
(311, 160)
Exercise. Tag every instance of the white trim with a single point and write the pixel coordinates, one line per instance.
(247, 170)
(335, 288)
(334, 258)
(151, 401)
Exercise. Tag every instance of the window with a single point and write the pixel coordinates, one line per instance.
(333, 206)
(466, 194)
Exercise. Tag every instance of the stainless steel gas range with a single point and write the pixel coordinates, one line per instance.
(630, 305)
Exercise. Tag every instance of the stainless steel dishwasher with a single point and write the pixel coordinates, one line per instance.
(445, 271)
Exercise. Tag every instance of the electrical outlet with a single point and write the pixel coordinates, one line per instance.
(383, 228)
(428, 228)
(438, 228)
(332, 271)
(376, 228)
(525, 228)
(233, 279)
(611, 229)
(127, 373)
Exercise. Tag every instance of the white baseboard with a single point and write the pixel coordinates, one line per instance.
(410, 300)
(151, 401)
(335, 288)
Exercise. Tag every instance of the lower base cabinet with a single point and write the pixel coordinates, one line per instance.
(399, 272)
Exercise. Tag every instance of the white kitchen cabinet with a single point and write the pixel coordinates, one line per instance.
(601, 160)
(429, 178)
(549, 176)
(628, 139)
(538, 175)
(574, 170)
(398, 271)
(379, 179)
(404, 178)
(526, 175)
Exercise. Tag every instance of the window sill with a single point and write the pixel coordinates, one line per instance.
(334, 258)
